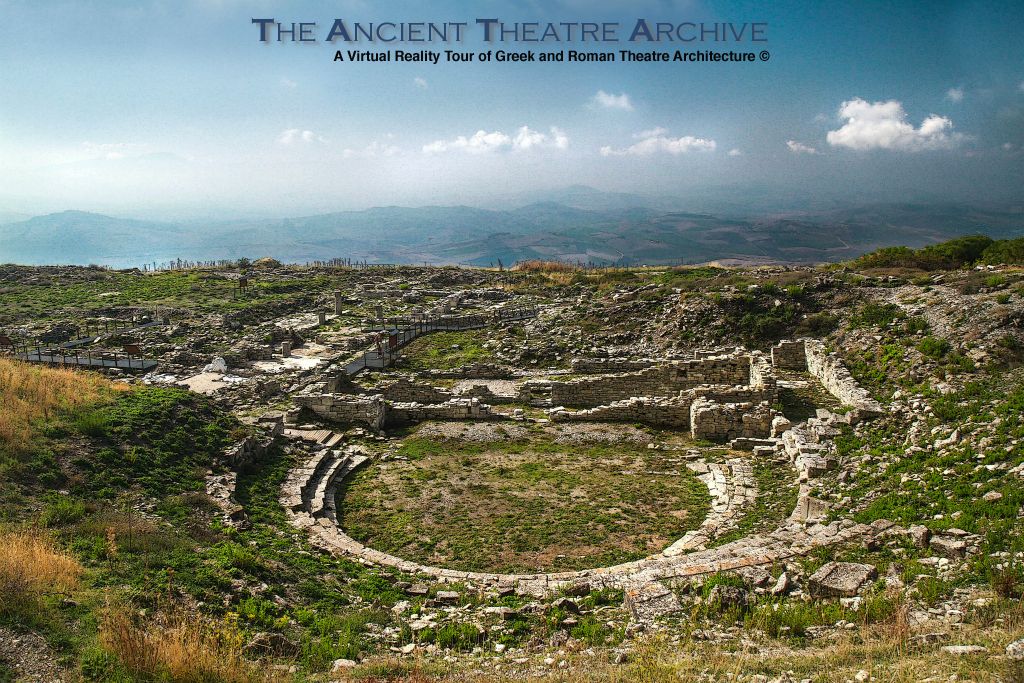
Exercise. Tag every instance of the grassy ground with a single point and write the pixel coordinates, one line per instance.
(522, 505)
(446, 350)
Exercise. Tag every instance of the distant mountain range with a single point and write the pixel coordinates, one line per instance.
(584, 225)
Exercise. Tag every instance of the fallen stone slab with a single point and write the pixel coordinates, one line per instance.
(840, 579)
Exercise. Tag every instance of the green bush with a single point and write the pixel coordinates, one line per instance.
(1005, 251)
(62, 511)
(934, 347)
(954, 253)
(876, 315)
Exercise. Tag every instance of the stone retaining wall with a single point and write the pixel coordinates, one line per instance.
(833, 375)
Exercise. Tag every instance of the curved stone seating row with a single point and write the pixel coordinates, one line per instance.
(732, 488)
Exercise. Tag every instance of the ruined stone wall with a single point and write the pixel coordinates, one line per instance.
(484, 393)
(790, 355)
(600, 366)
(369, 410)
(455, 409)
(407, 391)
(663, 380)
(833, 375)
(720, 422)
(762, 374)
(671, 411)
(660, 411)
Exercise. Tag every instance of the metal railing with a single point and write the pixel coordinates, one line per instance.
(401, 331)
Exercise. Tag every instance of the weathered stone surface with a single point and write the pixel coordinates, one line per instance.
(840, 579)
(919, 535)
(651, 601)
(949, 547)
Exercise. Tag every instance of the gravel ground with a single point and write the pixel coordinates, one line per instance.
(29, 657)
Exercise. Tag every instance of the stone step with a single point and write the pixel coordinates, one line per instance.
(329, 510)
(312, 471)
(316, 505)
(294, 489)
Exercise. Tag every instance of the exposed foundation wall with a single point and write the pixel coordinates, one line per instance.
(663, 412)
(663, 380)
(377, 412)
(675, 411)
(474, 371)
(599, 366)
(484, 393)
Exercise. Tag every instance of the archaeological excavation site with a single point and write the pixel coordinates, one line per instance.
(249, 471)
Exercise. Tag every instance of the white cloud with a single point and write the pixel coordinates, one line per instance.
(656, 140)
(288, 83)
(1008, 146)
(420, 83)
(606, 100)
(1020, 86)
(734, 152)
(800, 148)
(297, 135)
(883, 125)
(955, 95)
(482, 142)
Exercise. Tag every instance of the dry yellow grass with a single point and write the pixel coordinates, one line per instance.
(179, 647)
(31, 393)
(539, 266)
(31, 566)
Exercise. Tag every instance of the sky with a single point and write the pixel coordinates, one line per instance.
(175, 108)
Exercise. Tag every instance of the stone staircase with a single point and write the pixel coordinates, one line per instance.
(309, 490)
